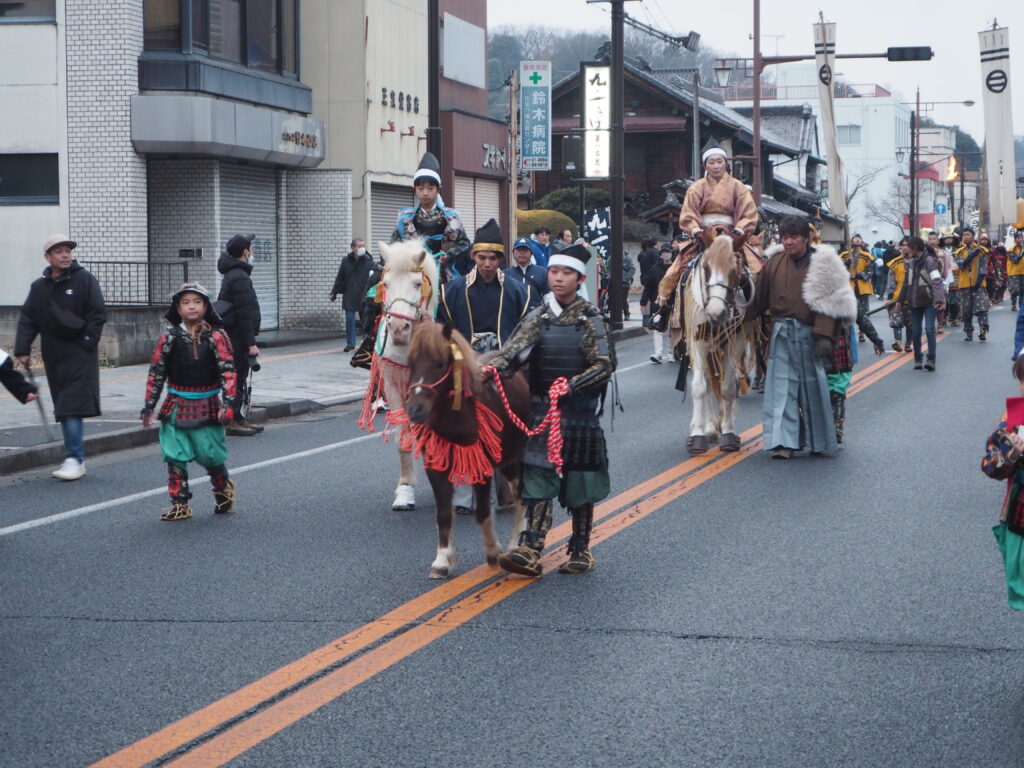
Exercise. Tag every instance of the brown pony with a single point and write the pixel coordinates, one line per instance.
(463, 433)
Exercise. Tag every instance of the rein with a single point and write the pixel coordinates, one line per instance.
(426, 291)
(552, 420)
(456, 367)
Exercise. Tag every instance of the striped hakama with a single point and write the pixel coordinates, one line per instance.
(797, 406)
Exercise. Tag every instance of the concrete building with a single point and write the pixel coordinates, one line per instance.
(151, 132)
(373, 101)
(872, 123)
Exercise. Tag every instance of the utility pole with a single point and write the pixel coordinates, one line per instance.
(513, 159)
(434, 81)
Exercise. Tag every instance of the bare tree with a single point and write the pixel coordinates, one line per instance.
(862, 181)
(891, 207)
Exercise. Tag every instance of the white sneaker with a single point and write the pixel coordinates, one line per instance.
(71, 469)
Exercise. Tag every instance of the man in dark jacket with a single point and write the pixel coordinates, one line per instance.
(351, 284)
(241, 320)
(533, 276)
(65, 309)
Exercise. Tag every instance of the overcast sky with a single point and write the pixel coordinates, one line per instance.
(950, 27)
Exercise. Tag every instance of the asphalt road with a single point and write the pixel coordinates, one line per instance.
(743, 612)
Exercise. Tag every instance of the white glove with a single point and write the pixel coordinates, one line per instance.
(697, 232)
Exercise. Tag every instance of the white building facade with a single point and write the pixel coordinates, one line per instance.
(151, 131)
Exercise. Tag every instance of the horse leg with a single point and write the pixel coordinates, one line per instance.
(444, 561)
(485, 519)
(727, 410)
(405, 493)
(696, 443)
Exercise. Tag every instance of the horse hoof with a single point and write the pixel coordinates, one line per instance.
(405, 498)
(439, 573)
(492, 561)
(696, 444)
(729, 442)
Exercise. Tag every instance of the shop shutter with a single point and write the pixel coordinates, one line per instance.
(386, 200)
(477, 200)
(248, 204)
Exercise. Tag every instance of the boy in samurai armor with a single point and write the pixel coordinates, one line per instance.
(564, 337)
(435, 222)
(194, 358)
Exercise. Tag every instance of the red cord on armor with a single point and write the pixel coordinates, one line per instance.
(552, 419)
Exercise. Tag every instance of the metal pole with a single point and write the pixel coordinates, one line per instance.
(758, 65)
(913, 173)
(434, 81)
(618, 151)
(695, 161)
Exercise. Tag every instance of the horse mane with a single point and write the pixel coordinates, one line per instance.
(402, 256)
(719, 254)
(428, 340)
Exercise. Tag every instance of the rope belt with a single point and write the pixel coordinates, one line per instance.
(552, 420)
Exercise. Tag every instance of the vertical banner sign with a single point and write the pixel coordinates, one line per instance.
(825, 58)
(995, 81)
(535, 115)
(597, 110)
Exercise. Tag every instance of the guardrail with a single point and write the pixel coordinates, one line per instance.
(137, 283)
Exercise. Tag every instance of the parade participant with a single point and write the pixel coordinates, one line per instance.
(839, 372)
(1015, 271)
(564, 338)
(949, 244)
(899, 311)
(716, 199)
(945, 267)
(194, 358)
(484, 306)
(65, 309)
(1004, 460)
(24, 390)
(807, 290)
(972, 260)
(353, 274)
(997, 272)
(432, 220)
(859, 262)
(926, 295)
(533, 276)
(242, 320)
(650, 282)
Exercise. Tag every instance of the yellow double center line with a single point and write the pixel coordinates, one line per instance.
(234, 724)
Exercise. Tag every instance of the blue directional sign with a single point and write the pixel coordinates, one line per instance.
(940, 208)
(535, 115)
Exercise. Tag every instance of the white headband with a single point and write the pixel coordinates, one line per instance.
(426, 173)
(561, 260)
(711, 153)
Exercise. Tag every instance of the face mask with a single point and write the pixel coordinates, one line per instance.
(361, 252)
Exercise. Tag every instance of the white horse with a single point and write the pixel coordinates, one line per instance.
(408, 294)
(718, 342)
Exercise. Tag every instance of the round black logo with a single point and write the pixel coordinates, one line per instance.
(825, 74)
(996, 81)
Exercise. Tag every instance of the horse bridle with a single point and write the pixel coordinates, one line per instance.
(426, 291)
(730, 290)
(456, 370)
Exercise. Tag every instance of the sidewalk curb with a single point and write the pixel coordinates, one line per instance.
(134, 437)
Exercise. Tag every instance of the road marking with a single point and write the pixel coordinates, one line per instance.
(238, 738)
(122, 500)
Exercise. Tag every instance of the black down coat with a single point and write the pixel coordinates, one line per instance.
(68, 315)
(236, 287)
(351, 282)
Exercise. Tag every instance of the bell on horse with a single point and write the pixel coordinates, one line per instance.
(408, 294)
(462, 432)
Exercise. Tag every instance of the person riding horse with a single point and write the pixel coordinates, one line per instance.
(439, 225)
(714, 205)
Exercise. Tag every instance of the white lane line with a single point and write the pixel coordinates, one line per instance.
(71, 513)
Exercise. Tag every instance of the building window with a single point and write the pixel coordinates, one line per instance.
(28, 11)
(226, 30)
(849, 134)
(29, 180)
(261, 34)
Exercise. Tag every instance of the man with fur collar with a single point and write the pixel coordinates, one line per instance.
(807, 290)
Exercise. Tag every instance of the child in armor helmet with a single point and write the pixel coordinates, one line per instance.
(194, 358)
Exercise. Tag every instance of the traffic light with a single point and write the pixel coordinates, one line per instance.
(910, 53)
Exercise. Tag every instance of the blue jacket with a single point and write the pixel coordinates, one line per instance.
(473, 306)
(542, 253)
(535, 278)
